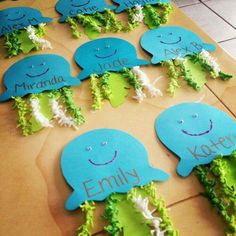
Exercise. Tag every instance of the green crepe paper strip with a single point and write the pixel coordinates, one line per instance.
(151, 17)
(23, 113)
(132, 78)
(173, 74)
(132, 23)
(119, 89)
(197, 58)
(105, 86)
(167, 9)
(12, 44)
(219, 180)
(96, 92)
(191, 73)
(73, 26)
(87, 227)
(75, 112)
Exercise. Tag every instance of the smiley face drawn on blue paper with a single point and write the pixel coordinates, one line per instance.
(35, 74)
(106, 54)
(20, 17)
(125, 4)
(72, 8)
(105, 161)
(171, 42)
(196, 133)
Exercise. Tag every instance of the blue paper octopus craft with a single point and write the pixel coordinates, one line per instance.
(152, 12)
(184, 54)
(196, 133)
(23, 29)
(100, 58)
(100, 165)
(39, 85)
(95, 16)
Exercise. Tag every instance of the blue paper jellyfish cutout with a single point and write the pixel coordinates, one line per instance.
(101, 164)
(23, 29)
(152, 12)
(40, 85)
(194, 133)
(95, 16)
(184, 54)
(99, 57)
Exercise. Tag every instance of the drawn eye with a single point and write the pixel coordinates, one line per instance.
(170, 33)
(88, 148)
(180, 121)
(159, 36)
(104, 143)
(17, 12)
(107, 46)
(32, 66)
(6, 15)
(43, 64)
(195, 115)
(97, 49)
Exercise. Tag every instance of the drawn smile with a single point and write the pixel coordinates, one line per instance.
(17, 18)
(80, 5)
(106, 163)
(114, 53)
(200, 134)
(33, 76)
(173, 42)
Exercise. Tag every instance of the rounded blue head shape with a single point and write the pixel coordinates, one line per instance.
(106, 54)
(171, 42)
(72, 8)
(105, 161)
(125, 4)
(35, 74)
(20, 17)
(196, 133)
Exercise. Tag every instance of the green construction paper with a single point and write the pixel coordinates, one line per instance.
(26, 44)
(231, 175)
(198, 75)
(120, 89)
(131, 220)
(45, 110)
(90, 32)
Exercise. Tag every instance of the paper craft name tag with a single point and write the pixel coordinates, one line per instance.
(106, 54)
(171, 42)
(125, 4)
(196, 133)
(72, 8)
(16, 18)
(35, 74)
(105, 161)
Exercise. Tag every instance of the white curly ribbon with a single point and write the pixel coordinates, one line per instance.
(43, 43)
(139, 15)
(140, 96)
(211, 61)
(145, 82)
(142, 205)
(38, 115)
(60, 115)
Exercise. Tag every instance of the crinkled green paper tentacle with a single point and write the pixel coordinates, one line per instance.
(111, 215)
(87, 227)
(74, 27)
(132, 23)
(160, 206)
(217, 189)
(197, 58)
(173, 74)
(75, 111)
(105, 86)
(152, 17)
(96, 92)
(12, 44)
(132, 78)
(113, 23)
(89, 22)
(100, 18)
(40, 30)
(186, 74)
(24, 112)
(167, 9)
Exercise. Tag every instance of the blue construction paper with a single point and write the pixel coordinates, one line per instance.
(105, 161)
(106, 54)
(72, 8)
(171, 42)
(35, 74)
(196, 133)
(125, 4)
(15, 18)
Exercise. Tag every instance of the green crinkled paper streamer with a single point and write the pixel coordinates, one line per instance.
(219, 180)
